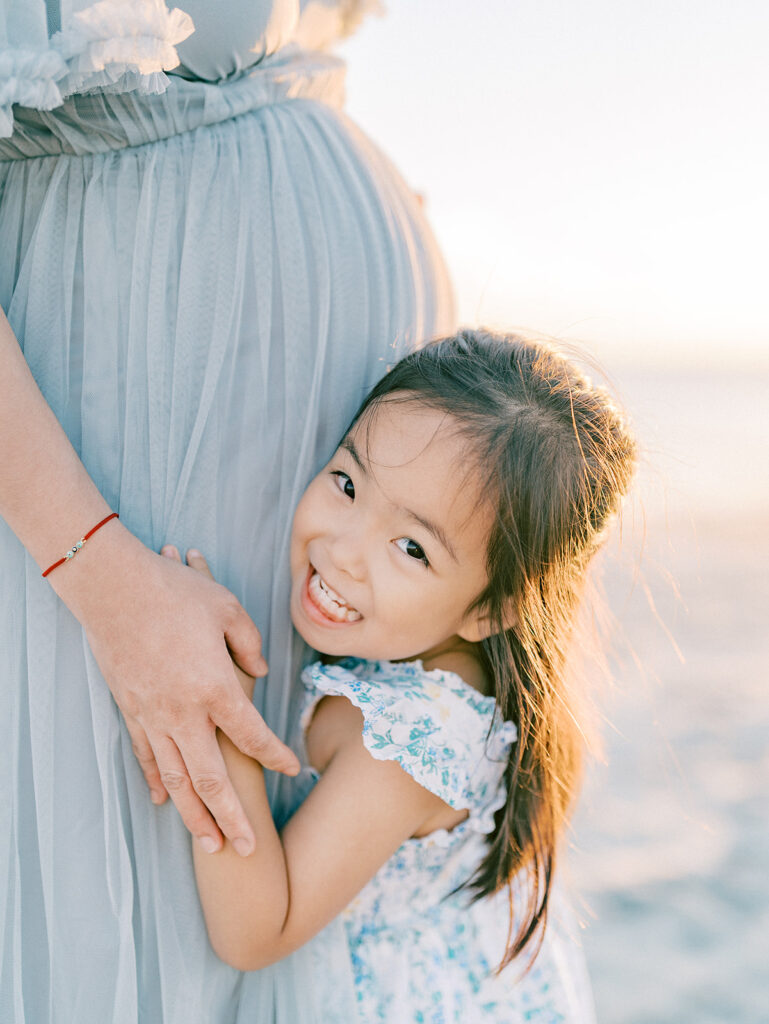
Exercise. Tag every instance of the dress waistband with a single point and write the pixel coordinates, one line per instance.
(100, 122)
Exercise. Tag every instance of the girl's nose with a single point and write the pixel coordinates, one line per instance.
(347, 552)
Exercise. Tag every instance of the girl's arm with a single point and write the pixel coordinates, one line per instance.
(261, 908)
(141, 614)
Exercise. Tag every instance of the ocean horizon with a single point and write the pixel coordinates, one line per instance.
(670, 842)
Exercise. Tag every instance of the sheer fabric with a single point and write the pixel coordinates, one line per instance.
(204, 276)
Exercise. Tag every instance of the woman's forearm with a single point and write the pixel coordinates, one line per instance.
(46, 495)
(245, 900)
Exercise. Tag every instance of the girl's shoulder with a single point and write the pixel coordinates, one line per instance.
(384, 683)
(463, 664)
(441, 730)
(403, 690)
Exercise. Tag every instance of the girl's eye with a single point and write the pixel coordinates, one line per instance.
(412, 549)
(344, 483)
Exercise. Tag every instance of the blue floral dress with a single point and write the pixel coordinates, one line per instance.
(420, 951)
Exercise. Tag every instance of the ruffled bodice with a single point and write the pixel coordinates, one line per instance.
(111, 44)
(53, 49)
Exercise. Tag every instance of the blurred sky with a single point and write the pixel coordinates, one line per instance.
(594, 169)
(599, 170)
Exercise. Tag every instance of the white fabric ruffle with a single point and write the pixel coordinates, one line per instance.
(28, 77)
(118, 45)
(437, 727)
(113, 44)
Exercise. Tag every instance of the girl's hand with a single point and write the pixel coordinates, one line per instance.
(162, 636)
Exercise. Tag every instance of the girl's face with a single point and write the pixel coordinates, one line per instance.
(388, 546)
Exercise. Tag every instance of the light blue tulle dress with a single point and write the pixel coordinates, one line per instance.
(421, 951)
(206, 270)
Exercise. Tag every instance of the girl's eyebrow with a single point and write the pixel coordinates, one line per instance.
(432, 528)
(349, 446)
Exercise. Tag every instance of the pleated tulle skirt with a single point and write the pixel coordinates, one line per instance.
(204, 285)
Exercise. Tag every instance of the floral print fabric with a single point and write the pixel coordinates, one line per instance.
(422, 951)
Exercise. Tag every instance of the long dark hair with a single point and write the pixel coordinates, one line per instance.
(557, 457)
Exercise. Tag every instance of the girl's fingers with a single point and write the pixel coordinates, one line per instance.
(196, 561)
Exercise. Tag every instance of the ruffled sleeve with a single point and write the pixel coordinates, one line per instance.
(121, 45)
(440, 730)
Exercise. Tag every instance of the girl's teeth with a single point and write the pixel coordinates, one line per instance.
(330, 591)
(331, 603)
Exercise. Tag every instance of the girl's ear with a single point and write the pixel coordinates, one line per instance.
(478, 626)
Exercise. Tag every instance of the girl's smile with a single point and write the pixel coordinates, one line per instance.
(389, 540)
(324, 604)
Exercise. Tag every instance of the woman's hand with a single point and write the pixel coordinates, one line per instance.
(197, 562)
(165, 639)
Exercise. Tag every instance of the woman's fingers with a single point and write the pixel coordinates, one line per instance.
(190, 804)
(208, 775)
(245, 642)
(243, 638)
(146, 758)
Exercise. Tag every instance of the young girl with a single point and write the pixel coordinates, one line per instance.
(437, 563)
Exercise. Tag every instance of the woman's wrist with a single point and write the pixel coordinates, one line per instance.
(46, 494)
(106, 562)
(78, 545)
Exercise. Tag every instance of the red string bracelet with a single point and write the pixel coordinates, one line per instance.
(74, 550)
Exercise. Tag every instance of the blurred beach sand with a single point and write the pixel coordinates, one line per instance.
(671, 838)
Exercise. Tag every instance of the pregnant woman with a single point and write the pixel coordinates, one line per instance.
(204, 266)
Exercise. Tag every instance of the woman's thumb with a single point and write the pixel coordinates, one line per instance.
(245, 643)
